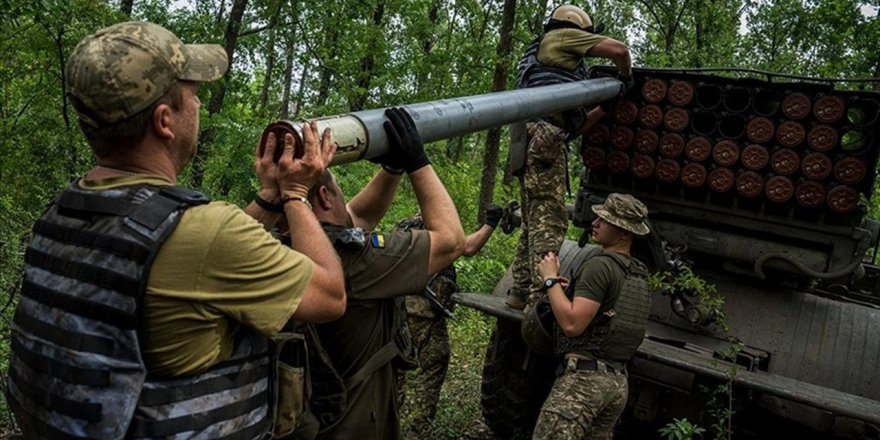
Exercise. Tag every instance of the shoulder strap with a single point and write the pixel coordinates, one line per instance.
(385, 355)
(156, 209)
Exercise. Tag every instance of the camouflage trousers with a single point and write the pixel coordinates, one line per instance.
(431, 338)
(582, 405)
(544, 219)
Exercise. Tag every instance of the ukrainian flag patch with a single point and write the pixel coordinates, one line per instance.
(378, 240)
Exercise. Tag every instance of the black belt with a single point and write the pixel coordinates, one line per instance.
(587, 365)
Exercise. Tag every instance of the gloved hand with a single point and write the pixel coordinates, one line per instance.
(493, 215)
(405, 149)
(628, 83)
(608, 106)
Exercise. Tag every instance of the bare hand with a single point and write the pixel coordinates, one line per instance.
(266, 169)
(296, 176)
(549, 266)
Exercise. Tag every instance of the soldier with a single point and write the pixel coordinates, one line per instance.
(553, 58)
(427, 323)
(142, 299)
(598, 327)
(371, 340)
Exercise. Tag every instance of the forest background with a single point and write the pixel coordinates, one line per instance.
(293, 59)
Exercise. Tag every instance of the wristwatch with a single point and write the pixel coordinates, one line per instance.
(550, 282)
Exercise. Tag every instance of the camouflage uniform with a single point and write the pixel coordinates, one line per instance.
(545, 220)
(582, 405)
(585, 402)
(431, 339)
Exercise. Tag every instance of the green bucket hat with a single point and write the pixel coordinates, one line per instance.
(624, 211)
(123, 69)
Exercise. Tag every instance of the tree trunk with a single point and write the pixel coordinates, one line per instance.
(270, 58)
(230, 42)
(126, 7)
(301, 89)
(537, 25)
(288, 67)
(428, 41)
(72, 164)
(499, 83)
(332, 28)
(362, 90)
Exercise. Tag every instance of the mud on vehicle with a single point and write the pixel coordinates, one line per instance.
(759, 184)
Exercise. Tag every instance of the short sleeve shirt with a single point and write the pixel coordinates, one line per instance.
(600, 280)
(566, 48)
(389, 266)
(218, 270)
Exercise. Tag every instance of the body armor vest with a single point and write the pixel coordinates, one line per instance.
(76, 369)
(531, 73)
(614, 336)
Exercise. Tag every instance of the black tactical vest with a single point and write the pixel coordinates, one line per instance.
(614, 338)
(76, 370)
(531, 73)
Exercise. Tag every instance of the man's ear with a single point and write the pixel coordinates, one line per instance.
(163, 123)
(325, 197)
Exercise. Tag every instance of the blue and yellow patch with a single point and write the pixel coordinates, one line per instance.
(378, 240)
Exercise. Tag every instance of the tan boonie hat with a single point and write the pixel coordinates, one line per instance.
(624, 211)
(123, 69)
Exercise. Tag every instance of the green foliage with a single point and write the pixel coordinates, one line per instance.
(684, 281)
(681, 429)
(421, 50)
(460, 395)
(719, 409)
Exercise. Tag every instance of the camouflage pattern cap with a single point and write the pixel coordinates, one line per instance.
(123, 69)
(624, 211)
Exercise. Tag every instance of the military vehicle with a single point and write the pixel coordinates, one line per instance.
(759, 184)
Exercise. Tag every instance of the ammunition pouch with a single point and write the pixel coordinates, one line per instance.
(290, 391)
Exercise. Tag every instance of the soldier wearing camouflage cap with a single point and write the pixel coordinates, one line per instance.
(600, 322)
(142, 298)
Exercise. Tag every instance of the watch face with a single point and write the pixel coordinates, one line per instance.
(549, 282)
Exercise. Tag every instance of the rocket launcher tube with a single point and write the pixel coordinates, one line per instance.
(360, 135)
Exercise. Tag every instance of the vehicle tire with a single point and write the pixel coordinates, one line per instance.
(515, 383)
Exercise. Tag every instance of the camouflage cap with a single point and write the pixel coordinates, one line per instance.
(123, 69)
(624, 211)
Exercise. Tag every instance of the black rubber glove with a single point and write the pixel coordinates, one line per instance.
(628, 83)
(405, 149)
(609, 105)
(493, 215)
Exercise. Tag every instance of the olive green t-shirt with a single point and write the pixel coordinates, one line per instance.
(389, 266)
(600, 280)
(566, 48)
(219, 269)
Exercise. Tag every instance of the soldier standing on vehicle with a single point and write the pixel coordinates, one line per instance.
(371, 340)
(599, 325)
(427, 323)
(141, 299)
(553, 58)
